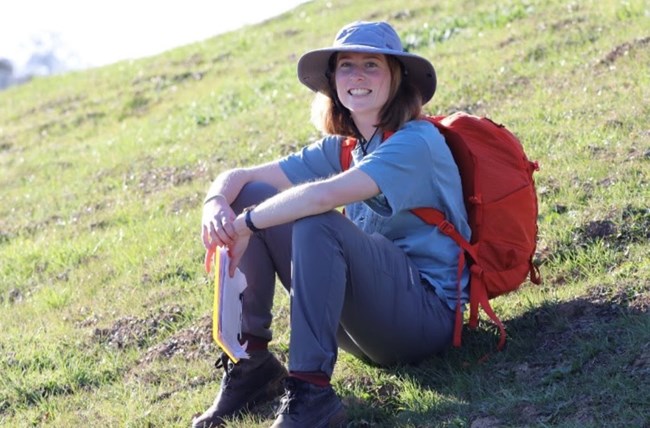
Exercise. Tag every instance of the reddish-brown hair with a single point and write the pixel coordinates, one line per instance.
(404, 104)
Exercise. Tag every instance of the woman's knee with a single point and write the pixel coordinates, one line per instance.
(252, 193)
(311, 229)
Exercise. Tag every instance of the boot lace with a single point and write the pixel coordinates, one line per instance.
(292, 398)
(223, 362)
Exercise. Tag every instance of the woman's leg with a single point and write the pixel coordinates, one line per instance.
(268, 254)
(365, 284)
(258, 378)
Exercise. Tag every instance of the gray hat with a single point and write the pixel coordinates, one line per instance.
(367, 37)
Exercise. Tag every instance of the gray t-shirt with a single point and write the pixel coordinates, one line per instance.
(413, 168)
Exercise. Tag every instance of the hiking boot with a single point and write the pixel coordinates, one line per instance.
(249, 382)
(305, 405)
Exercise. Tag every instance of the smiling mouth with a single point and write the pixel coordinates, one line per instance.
(359, 91)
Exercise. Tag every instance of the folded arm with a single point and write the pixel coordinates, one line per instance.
(222, 228)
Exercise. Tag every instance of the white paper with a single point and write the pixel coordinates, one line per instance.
(226, 319)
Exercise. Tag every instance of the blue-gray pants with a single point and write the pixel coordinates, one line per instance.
(349, 289)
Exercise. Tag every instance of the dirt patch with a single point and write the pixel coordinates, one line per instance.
(635, 224)
(567, 24)
(132, 331)
(631, 226)
(186, 203)
(557, 329)
(15, 295)
(191, 61)
(618, 230)
(598, 230)
(631, 297)
(61, 105)
(192, 343)
(222, 57)
(641, 302)
(624, 49)
(149, 179)
(160, 82)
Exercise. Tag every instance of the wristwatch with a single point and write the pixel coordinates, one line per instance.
(249, 222)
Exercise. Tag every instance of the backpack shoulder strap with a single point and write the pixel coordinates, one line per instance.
(347, 145)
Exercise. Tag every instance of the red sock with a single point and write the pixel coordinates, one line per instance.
(255, 343)
(315, 378)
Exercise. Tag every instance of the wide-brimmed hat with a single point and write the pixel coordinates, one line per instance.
(366, 37)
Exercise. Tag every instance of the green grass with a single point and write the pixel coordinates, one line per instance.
(104, 306)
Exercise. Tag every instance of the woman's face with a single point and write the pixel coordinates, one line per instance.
(362, 83)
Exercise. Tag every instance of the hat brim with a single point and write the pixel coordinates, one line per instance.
(313, 65)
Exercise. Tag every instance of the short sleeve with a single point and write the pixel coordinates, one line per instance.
(413, 159)
(315, 161)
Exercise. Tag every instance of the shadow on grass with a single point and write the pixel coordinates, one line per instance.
(575, 363)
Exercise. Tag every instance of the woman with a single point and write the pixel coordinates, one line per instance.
(377, 281)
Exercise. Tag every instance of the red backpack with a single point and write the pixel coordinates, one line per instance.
(499, 194)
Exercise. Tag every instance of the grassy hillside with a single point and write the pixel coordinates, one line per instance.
(105, 308)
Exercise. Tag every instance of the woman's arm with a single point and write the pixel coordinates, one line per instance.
(229, 183)
(312, 198)
(218, 215)
(297, 202)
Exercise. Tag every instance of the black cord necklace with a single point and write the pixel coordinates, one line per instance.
(363, 143)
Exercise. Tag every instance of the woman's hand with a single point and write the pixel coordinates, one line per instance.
(236, 251)
(217, 223)
(217, 227)
(220, 230)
